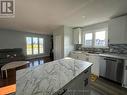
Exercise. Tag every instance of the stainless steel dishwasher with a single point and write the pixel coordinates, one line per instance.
(112, 68)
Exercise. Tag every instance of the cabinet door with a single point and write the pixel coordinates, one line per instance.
(125, 75)
(117, 30)
(95, 59)
(63, 91)
(73, 55)
(79, 56)
(77, 36)
(80, 85)
(82, 57)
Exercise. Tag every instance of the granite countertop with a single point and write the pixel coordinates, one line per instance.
(114, 55)
(120, 56)
(46, 79)
(84, 52)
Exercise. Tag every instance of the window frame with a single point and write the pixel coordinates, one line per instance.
(93, 39)
(33, 46)
(84, 40)
(106, 38)
(38, 46)
(28, 44)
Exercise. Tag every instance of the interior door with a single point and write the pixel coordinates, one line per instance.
(57, 47)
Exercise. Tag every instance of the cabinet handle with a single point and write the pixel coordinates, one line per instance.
(86, 71)
(86, 82)
(64, 90)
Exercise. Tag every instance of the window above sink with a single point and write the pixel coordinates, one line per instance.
(96, 38)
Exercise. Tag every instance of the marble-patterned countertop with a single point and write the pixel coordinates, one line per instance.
(46, 79)
(114, 55)
(120, 56)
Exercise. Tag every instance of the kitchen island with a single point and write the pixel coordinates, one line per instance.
(61, 77)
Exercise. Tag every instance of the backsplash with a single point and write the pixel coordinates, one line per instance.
(97, 50)
(118, 48)
(113, 48)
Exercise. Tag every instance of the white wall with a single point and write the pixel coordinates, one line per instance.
(95, 26)
(66, 42)
(59, 31)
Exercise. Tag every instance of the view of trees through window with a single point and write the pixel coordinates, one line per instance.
(34, 45)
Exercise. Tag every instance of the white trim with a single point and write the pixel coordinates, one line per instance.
(38, 46)
(93, 39)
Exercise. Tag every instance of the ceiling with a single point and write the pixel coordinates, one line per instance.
(43, 16)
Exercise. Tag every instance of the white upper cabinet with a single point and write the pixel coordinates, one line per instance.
(77, 36)
(118, 30)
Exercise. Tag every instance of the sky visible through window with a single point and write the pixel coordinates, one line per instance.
(96, 39)
(100, 38)
(88, 39)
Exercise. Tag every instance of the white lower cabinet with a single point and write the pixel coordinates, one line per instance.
(125, 75)
(82, 56)
(74, 55)
(78, 86)
(79, 56)
(95, 59)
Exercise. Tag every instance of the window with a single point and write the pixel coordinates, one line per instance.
(97, 39)
(34, 45)
(41, 45)
(88, 39)
(29, 45)
(100, 39)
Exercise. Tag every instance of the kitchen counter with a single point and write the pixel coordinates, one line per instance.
(46, 79)
(84, 52)
(120, 56)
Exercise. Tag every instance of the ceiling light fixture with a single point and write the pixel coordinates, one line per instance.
(83, 16)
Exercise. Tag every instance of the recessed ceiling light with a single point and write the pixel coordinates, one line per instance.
(83, 16)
